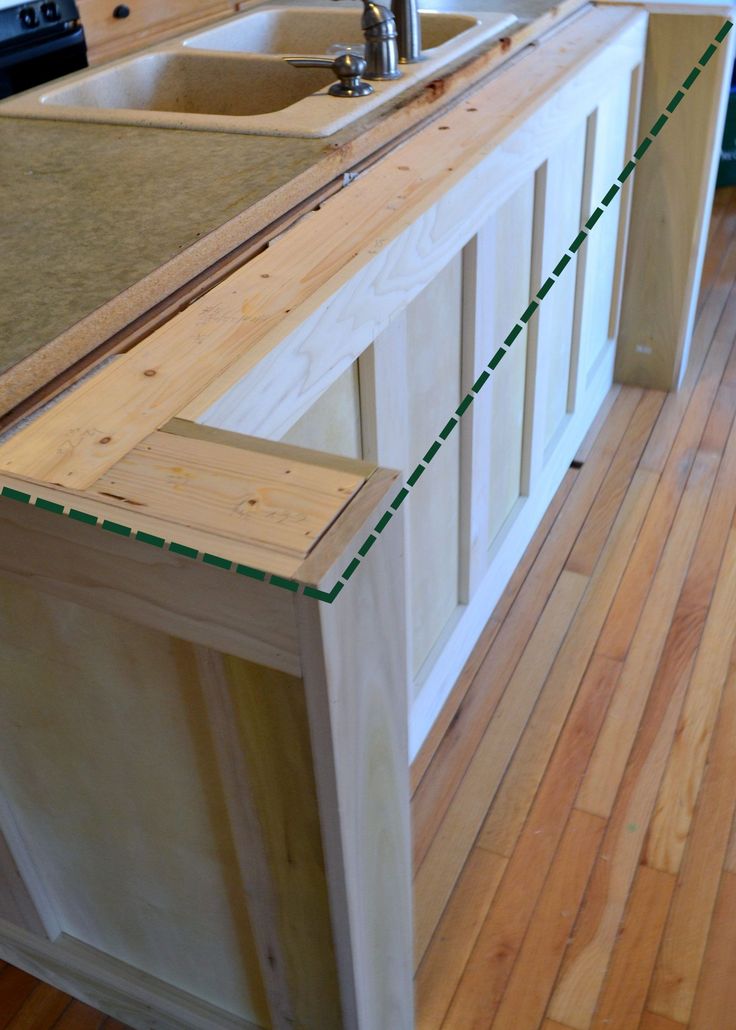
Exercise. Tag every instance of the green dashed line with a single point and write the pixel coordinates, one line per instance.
(399, 498)
(658, 125)
(513, 334)
(153, 541)
(215, 559)
(328, 597)
(611, 194)
(115, 527)
(448, 428)
(480, 382)
(626, 171)
(529, 312)
(185, 552)
(496, 359)
(545, 288)
(561, 265)
(675, 101)
(15, 495)
(578, 241)
(431, 452)
(285, 584)
(383, 521)
(82, 516)
(366, 545)
(248, 570)
(57, 509)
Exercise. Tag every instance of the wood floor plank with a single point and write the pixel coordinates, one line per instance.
(15, 987)
(604, 509)
(564, 772)
(40, 1010)
(534, 973)
(540, 735)
(587, 959)
(715, 998)
(78, 1016)
(450, 846)
(651, 1021)
(681, 784)
(448, 952)
(449, 710)
(711, 341)
(503, 930)
(678, 966)
(438, 787)
(722, 229)
(606, 768)
(624, 993)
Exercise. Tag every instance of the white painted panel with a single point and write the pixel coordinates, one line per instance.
(434, 323)
(333, 422)
(598, 258)
(511, 270)
(563, 206)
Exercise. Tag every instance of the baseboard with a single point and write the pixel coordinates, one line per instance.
(113, 987)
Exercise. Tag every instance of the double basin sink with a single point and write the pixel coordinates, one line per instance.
(233, 77)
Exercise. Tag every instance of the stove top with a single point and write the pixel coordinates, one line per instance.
(22, 23)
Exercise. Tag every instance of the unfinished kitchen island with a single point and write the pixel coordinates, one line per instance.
(244, 562)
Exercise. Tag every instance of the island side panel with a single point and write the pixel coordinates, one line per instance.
(673, 192)
(113, 782)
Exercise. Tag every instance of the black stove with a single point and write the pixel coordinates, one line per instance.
(38, 41)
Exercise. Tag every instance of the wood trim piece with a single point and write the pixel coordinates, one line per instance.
(354, 662)
(114, 987)
(260, 734)
(148, 585)
(664, 267)
(286, 451)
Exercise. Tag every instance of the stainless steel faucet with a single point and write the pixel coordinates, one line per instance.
(409, 28)
(381, 41)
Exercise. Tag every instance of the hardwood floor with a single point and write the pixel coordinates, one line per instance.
(574, 846)
(574, 838)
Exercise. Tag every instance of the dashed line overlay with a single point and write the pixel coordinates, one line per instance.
(328, 597)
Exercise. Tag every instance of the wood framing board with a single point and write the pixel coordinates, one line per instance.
(147, 584)
(241, 321)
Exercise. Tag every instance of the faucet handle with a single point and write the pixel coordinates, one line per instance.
(349, 69)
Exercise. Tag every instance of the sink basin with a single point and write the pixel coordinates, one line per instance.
(231, 78)
(300, 30)
(194, 84)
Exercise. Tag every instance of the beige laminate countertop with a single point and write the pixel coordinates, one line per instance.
(98, 223)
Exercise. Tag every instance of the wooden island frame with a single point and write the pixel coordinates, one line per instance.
(205, 775)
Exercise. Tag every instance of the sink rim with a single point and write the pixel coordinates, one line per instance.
(315, 116)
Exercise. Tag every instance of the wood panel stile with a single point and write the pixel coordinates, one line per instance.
(354, 663)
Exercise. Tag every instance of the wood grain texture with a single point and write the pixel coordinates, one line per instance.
(355, 683)
(533, 976)
(438, 872)
(232, 493)
(716, 990)
(680, 958)
(624, 993)
(663, 273)
(260, 734)
(442, 965)
(183, 598)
